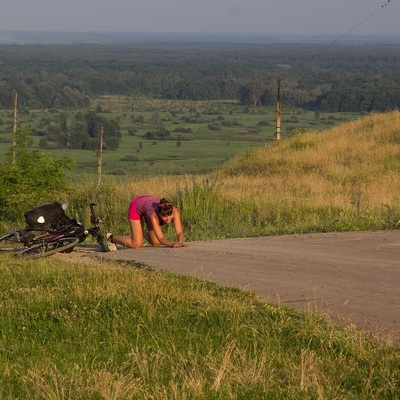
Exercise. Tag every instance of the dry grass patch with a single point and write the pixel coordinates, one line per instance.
(330, 168)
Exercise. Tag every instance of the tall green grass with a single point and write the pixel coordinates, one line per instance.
(210, 212)
(112, 331)
(343, 179)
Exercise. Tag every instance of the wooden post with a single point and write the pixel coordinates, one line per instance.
(278, 111)
(100, 157)
(14, 141)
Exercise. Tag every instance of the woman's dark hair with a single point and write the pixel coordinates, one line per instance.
(164, 208)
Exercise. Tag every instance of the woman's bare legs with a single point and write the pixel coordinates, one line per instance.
(150, 235)
(152, 238)
(135, 240)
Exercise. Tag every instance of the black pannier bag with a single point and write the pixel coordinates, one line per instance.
(47, 216)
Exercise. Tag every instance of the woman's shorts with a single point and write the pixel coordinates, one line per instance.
(132, 212)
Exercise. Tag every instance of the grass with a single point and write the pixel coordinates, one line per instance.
(112, 331)
(331, 180)
(338, 180)
(335, 165)
(238, 128)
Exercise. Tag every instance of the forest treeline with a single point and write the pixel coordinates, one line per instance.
(340, 78)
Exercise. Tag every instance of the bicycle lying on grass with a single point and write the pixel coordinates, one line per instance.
(49, 231)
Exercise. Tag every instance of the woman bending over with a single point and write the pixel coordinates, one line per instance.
(147, 216)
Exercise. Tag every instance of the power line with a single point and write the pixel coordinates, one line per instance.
(354, 27)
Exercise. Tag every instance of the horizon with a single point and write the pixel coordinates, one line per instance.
(65, 37)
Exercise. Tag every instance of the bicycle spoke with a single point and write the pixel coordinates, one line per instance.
(47, 249)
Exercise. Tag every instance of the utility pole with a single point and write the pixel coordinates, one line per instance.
(278, 111)
(14, 141)
(100, 157)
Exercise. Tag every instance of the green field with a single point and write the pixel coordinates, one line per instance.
(219, 130)
(111, 331)
(99, 330)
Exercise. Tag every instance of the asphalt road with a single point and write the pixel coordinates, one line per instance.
(352, 276)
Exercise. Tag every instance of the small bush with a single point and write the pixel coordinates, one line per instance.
(130, 157)
(117, 171)
(214, 127)
(183, 130)
(29, 178)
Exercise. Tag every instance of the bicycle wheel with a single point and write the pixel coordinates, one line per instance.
(9, 238)
(47, 249)
(10, 242)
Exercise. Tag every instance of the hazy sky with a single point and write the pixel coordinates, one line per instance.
(214, 16)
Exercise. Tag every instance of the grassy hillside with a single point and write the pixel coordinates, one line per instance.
(345, 178)
(349, 172)
(359, 159)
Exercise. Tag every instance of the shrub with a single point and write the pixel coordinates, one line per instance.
(29, 178)
(214, 127)
(183, 130)
(130, 157)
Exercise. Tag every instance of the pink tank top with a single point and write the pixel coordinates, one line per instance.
(146, 203)
(141, 205)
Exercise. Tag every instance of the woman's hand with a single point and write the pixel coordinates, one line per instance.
(178, 244)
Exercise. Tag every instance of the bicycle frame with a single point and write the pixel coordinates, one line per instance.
(61, 237)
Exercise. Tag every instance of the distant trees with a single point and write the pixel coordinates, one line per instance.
(112, 134)
(160, 133)
(43, 96)
(82, 133)
(204, 89)
(350, 99)
(344, 78)
(78, 137)
(256, 94)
